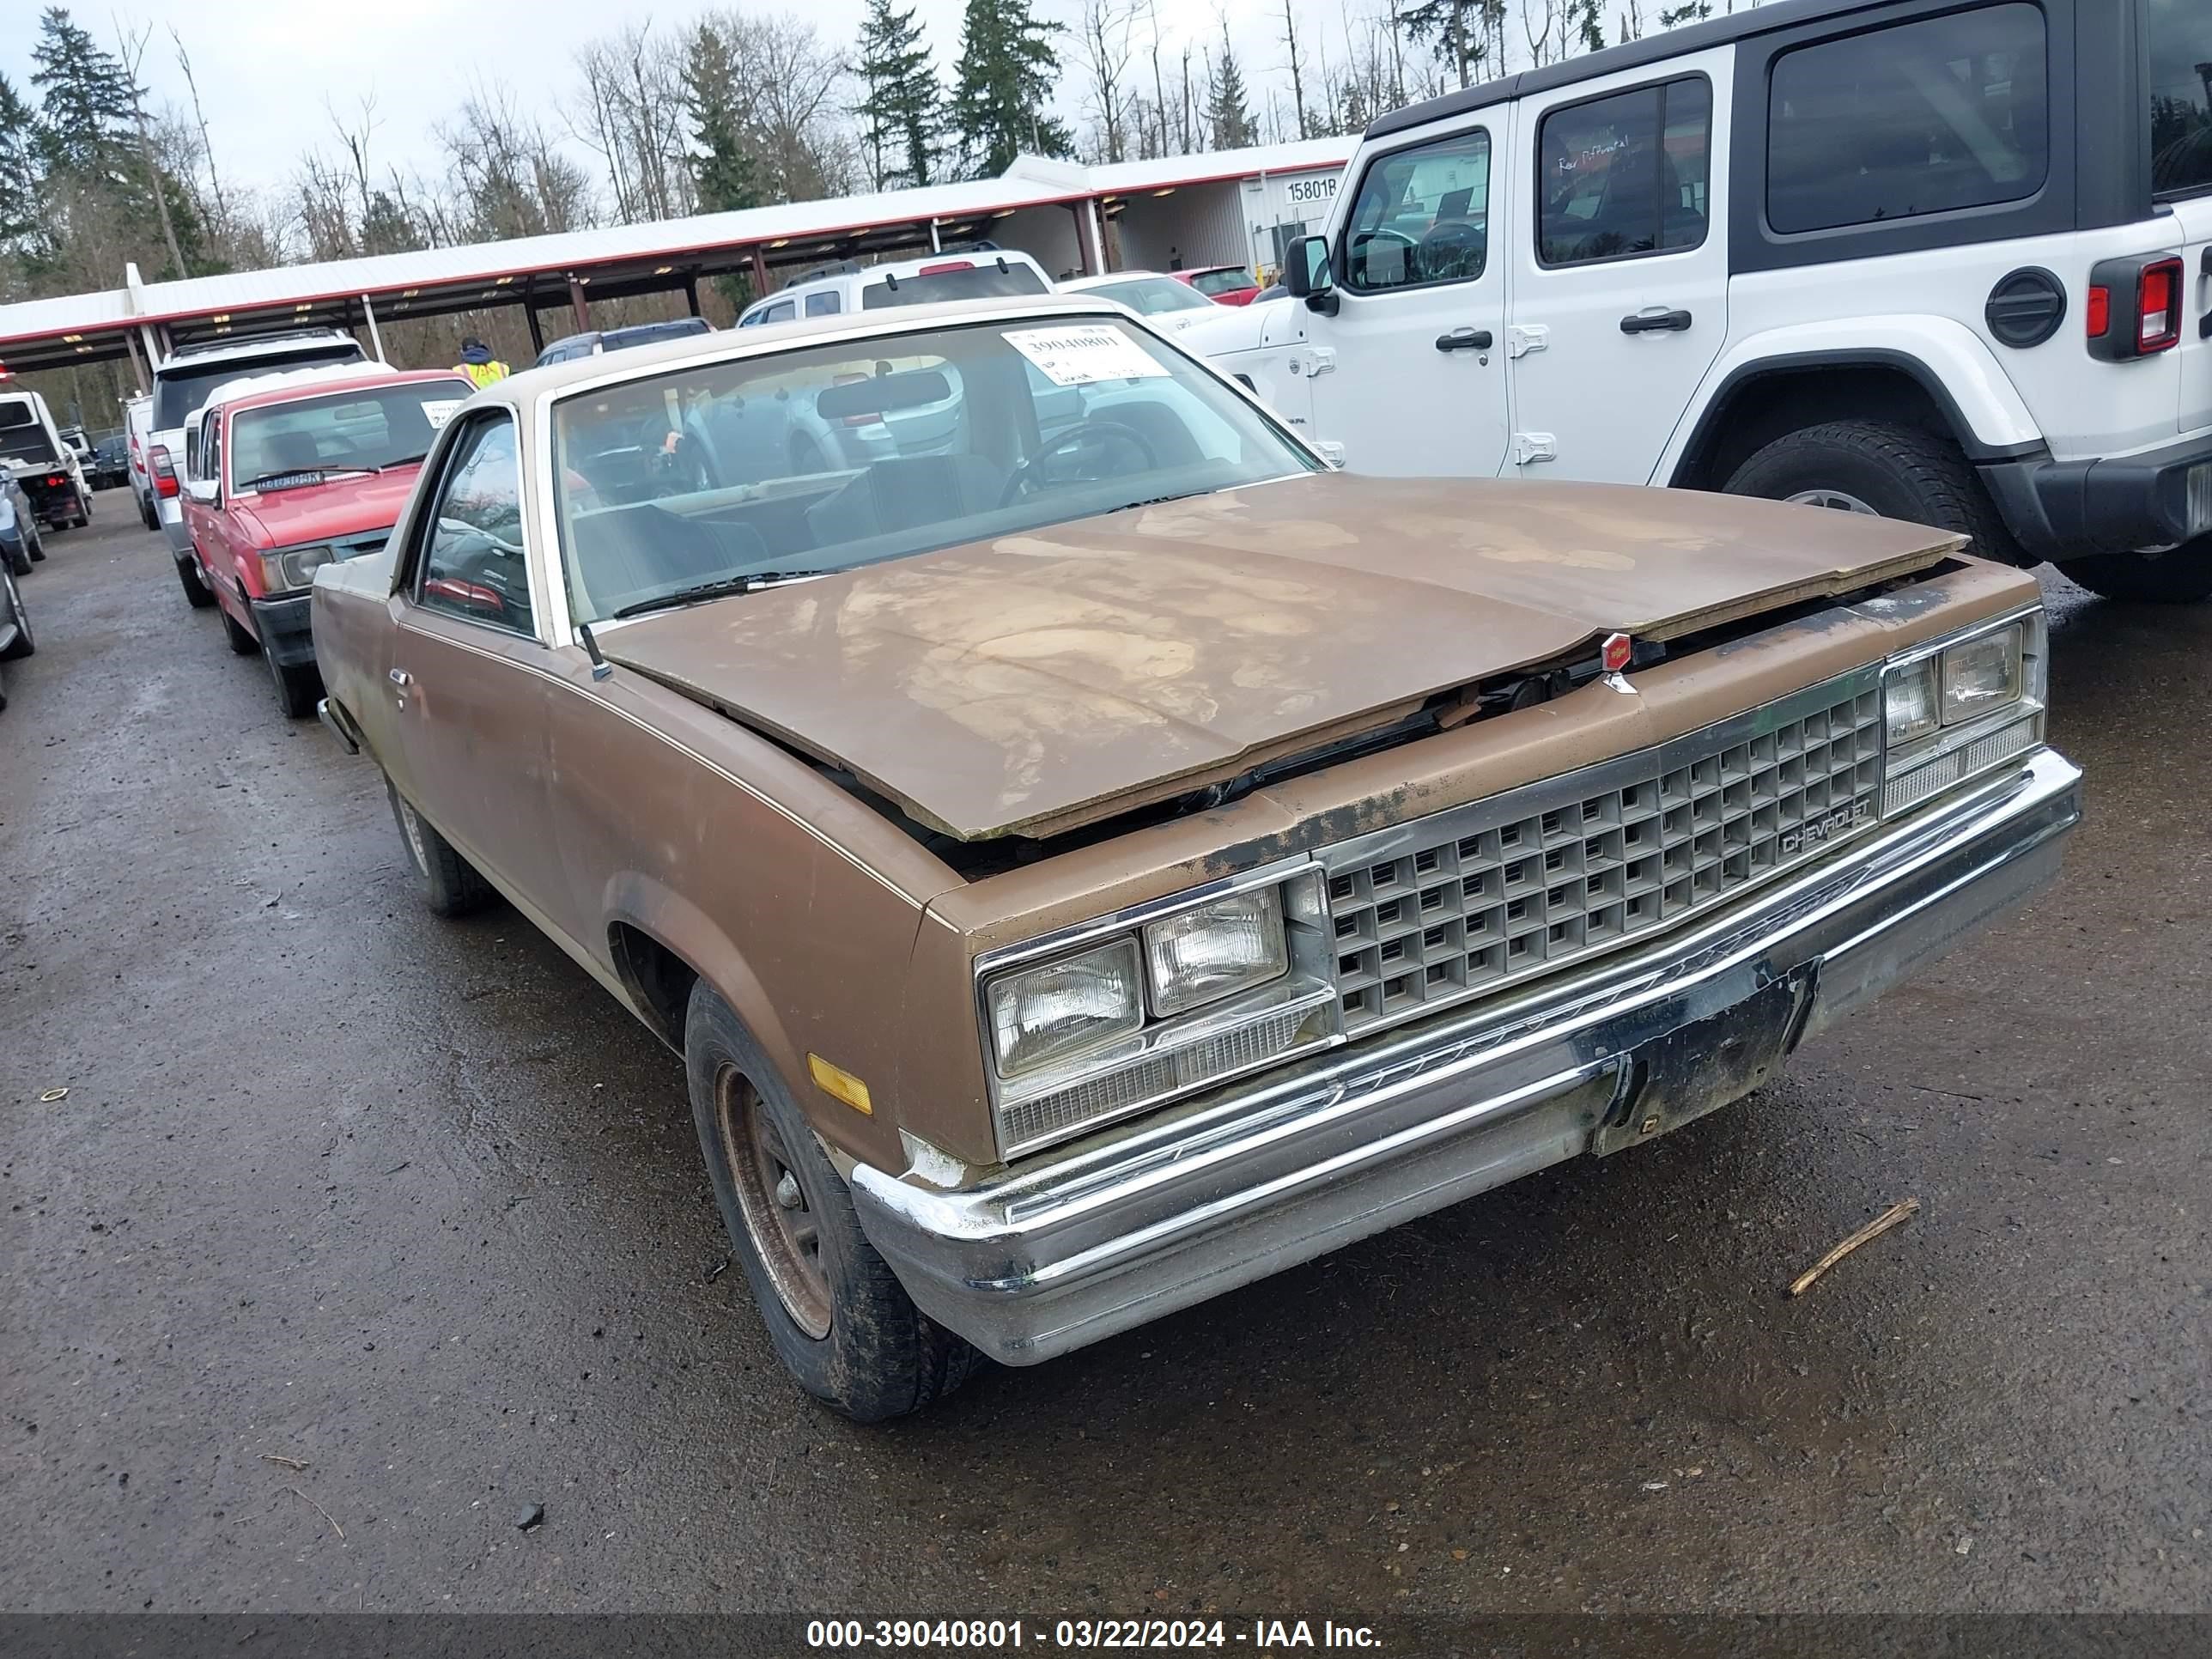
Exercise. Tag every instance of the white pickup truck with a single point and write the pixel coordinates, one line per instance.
(1950, 264)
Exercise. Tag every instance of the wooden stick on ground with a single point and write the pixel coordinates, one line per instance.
(320, 1511)
(1874, 1229)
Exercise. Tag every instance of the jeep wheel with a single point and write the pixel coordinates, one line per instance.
(451, 885)
(1879, 467)
(195, 591)
(836, 1315)
(2181, 575)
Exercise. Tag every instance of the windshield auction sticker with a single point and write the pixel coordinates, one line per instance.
(1081, 354)
(438, 410)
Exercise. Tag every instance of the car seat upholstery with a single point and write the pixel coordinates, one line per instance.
(627, 551)
(905, 492)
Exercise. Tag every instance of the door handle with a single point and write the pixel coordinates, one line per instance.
(1464, 339)
(401, 677)
(1659, 322)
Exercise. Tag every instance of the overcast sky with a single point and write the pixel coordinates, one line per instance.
(265, 67)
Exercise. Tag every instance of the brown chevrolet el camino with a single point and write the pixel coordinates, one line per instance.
(1089, 854)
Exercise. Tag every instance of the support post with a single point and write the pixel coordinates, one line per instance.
(691, 292)
(760, 273)
(140, 372)
(935, 246)
(153, 352)
(375, 337)
(529, 317)
(577, 304)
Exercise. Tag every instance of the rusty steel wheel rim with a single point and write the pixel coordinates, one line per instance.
(778, 1211)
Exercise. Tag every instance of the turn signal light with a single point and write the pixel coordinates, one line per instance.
(2099, 312)
(165, 474)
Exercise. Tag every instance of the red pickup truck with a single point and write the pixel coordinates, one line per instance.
(283, 477)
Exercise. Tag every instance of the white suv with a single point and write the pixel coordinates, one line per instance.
(1943, 261)
(967, 273)
(181, 385)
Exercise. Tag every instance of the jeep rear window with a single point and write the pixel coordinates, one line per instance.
(959, 282)
(1926, 117)
(2180, 96)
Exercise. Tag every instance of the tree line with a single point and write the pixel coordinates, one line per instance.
(729, 109)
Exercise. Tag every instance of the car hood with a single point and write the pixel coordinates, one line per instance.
(343, 506)
(1034, 683)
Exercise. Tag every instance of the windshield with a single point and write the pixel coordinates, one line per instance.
(1149, 296)
(857, 451)
(1223, 281)
(956, 279)
(357, 430)
(182, 388)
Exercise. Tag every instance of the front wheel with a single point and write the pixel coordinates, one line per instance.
(195, 591)
(1882, 468)
(35, 542)
(836, 1315)
(451, 885)
(299, 686)
(22, 645)
(2182, 575)
(18, 557)
(241, 638)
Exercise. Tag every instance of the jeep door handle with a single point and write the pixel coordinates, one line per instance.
(1661, 323)
(1464, 339)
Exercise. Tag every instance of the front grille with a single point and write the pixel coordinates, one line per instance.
(1459, 903)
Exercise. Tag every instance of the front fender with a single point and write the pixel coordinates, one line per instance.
(1951, 363)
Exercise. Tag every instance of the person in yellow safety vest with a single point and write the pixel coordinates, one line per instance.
(479, 364)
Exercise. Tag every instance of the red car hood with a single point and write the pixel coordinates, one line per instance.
(343, 506)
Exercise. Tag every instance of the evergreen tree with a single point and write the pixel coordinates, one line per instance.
(1458, 31)
(19, 167)
(1228, 110)
(86, 98)
(901, 121)
(1586, 20)
(1007, 66)
(721, 165)
(1695, 11)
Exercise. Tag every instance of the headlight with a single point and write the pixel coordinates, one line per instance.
(1981, 675)
(1908, 701)
(1205, 954)
(294, 567)
(1963, 708)
(1040, 1016)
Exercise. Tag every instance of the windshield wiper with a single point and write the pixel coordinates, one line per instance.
(405, 460)
(717, 590)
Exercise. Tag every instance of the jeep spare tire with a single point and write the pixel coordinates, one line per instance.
(1878, 467)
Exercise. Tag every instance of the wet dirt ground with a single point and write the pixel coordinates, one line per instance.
(356, 1222)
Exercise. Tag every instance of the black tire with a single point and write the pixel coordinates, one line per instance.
(806, 457)
(1899, 472)
(2180, 576)
(37, 542)
(880, 1356)
(146, 515)
(19, 557)
(23, 645)
(195, 591)
(451, 885)
(299, 686)
(241, 640)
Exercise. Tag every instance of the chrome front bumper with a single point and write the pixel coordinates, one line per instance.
(1148, 1217)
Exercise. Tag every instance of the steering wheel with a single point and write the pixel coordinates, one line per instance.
(682, 471)
(1037, 472)
(1449, 248)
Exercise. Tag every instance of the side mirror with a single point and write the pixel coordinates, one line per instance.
(206, 491)
(1307, 275)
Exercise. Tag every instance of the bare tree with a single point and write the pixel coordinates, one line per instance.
(1543, 48)
(131, 53)
(221, 213)
(1297, 73)
(509, 180)
(1105, 32)
(633, 87)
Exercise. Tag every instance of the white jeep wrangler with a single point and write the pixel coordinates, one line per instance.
(1944, 260)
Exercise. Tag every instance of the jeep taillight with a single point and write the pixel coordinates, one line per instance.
(165, 475)
(2134, 308)
(2158, 307)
